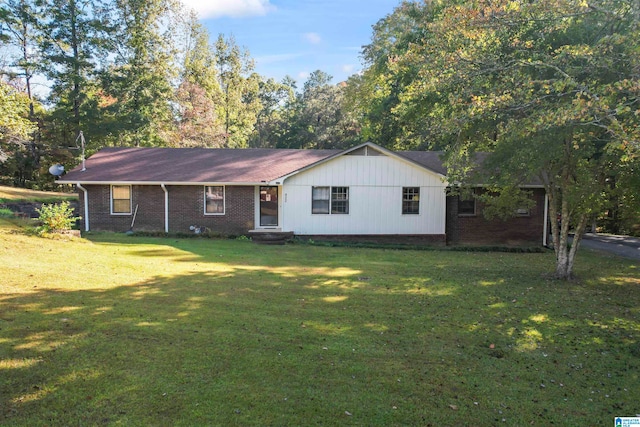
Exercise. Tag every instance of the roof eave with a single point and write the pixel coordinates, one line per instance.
(89, 182)
(457, 184)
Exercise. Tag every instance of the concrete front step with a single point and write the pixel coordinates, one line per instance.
(269, 237)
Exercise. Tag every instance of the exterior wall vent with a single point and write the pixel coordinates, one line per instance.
(366, 151)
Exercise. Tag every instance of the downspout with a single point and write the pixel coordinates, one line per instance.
(546, 219)
(166, 208)
(86, 206)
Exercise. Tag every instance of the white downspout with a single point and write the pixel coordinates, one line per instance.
(86, 206)
(166, 208)
(546, 219)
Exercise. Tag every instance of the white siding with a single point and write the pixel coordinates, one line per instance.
(375, 198)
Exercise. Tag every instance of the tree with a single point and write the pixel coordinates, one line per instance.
(200, 60)
(198, 124)
(375, 96)
(18, 27)
(75, 42)
(15, 126)
(318, 118)
(19, 23)
(199, 92)
(550, 89)
(240, 103)
(71, 37)
(272, 119)
(16, 129)
(138, 83)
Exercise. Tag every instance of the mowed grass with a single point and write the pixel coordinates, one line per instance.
(15, 194)
(119, 330)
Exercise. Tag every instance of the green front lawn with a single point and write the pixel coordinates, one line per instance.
(119, 330)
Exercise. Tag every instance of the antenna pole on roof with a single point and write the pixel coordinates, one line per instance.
(81, 138)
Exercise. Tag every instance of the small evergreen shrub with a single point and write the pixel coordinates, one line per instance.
(56, 218)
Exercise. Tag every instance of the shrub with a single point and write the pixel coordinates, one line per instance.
(56, 217)
(6, 213)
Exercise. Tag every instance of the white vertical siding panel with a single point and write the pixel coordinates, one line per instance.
(375, 198)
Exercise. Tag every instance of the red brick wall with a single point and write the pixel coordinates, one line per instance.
(186, 208)
(476, 230)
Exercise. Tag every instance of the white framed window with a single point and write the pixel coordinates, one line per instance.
(410, 200)
(120, 200)
(330, 200)
(339, 200)
(320, 197)
(214, 200)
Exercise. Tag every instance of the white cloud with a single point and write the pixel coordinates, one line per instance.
(313, 38)
(232, 8)
(303, 75)
(348, 68)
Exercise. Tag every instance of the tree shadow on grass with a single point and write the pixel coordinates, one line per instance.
(289, 336)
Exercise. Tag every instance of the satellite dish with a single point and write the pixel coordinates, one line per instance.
(56, 170)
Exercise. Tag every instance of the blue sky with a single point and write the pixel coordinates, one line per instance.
(296, 37)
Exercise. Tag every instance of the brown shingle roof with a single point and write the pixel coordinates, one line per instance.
(429, 159)
(207, 165)
(198, 165)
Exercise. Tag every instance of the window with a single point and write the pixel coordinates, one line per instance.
(524, 209)
(320, 200)
(466, 205)
(339, 200)
(214, 200)
(334, 200)
(121, 199)
(410, 200)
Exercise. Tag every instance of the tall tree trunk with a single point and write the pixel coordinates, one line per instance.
(562, 252)
(27, 68)
(76, 67)
(577, 238)
(552, 192)
(227, 114)
(564, 257)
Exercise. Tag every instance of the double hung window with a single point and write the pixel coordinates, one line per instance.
(330, 200)
(214, 200)
(120, 199)
(410, 200)
(466, 205)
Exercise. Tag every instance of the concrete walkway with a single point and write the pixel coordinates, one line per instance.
(624, 246)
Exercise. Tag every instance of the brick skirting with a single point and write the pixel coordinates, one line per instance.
(406, 239)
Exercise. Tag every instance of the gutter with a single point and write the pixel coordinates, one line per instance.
(166, 208)
(86, 205)
(230, 183)
(546, 219)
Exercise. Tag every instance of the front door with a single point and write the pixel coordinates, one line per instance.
(268, 206)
